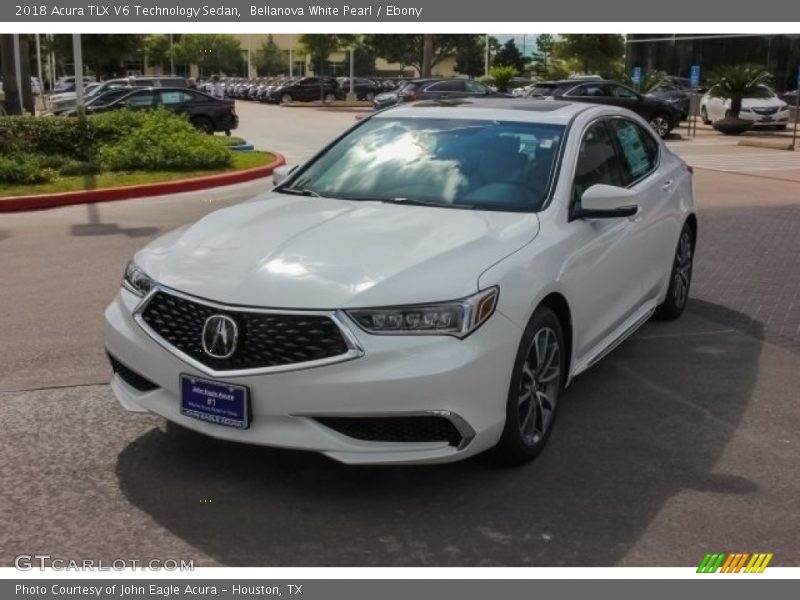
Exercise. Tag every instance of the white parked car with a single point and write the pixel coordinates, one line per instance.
(769, 111)
(422, 290)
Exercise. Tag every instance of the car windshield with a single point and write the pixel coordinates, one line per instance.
(457, 163)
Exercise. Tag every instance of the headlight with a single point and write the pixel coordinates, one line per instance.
(745, 110)
(458, 318)
(136, 280)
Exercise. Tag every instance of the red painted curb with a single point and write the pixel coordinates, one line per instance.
(43, 201)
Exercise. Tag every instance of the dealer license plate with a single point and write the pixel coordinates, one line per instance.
(215, 402)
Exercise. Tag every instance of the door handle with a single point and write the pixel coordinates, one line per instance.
(667, 185)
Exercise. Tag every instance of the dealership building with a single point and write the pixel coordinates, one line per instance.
(676, 53)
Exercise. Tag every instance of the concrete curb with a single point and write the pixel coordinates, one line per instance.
(773, 144)
(44, 201)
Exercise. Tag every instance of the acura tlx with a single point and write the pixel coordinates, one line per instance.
(421, 290)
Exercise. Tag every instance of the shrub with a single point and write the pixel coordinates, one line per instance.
(502, 77)
(164, 141)
(24, 169)
(55, 135)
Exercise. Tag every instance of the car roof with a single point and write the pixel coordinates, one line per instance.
(511, 109)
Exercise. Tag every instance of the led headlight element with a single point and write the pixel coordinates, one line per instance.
(136, 280)
(458, 318)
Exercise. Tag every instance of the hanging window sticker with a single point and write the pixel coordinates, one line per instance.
(635, 152)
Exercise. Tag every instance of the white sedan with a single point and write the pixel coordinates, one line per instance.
(420, 291)
(769, 111)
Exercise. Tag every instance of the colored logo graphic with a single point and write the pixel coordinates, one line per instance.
(735, 562)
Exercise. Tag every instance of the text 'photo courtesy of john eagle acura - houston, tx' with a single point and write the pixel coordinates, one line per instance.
(421, 290)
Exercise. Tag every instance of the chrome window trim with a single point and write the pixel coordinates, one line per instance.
(354, 348)
(461, 425)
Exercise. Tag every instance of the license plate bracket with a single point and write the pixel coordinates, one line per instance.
(215, 402)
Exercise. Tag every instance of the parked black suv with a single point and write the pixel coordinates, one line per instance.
(432, 89)
(306, 89)
(662, 115)
(204, 111)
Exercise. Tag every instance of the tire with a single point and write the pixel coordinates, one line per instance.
(680, 277)
(528, 422)
(369, 96)
(204, 124)
(704, 116)
(329, 98)
(660, 124)
(286, 98)
(780, 127)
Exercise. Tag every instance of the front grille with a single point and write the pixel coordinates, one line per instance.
(265, 339)
(132, 378)
(395, 429)
(765, 111)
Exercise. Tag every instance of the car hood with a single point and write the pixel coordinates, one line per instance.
(315, 253)
(762, 103)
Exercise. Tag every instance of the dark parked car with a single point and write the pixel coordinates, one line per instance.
(675, 95)
(305, 89)
(364, 89)
(790, 97)
(662, 115)
(433, 89)
(204, 111)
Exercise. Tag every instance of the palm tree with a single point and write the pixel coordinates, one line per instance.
(736, 82)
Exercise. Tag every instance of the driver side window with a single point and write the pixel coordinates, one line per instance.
(597, 161)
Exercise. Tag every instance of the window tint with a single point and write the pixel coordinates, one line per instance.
(174, 97)
(473, 87)
(620, 91)
(446, 86)
(639, 149)
(590, 89)
(542, 90)
(139, 99)
(597, 161)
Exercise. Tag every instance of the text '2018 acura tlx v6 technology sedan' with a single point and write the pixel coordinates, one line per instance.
(420, 291)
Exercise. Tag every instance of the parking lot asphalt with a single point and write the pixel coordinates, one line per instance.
(683, 441)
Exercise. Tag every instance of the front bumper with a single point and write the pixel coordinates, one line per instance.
(780, 117)
(464, 380)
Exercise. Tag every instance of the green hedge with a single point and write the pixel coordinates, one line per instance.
(39, 149)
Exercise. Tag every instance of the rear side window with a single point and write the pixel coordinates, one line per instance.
(638, 149)
(446, 86)
(542, 91)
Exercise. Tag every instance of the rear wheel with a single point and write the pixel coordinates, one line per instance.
(680, 278)
(203, 124)
(329, 98)
(536, 384)
(369, 96)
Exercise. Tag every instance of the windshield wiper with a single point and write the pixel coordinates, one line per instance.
(408, 201)
(298, 192)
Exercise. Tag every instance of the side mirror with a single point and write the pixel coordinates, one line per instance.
(606, 202)
(280, 174)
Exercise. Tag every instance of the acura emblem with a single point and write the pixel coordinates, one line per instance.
(220, 335)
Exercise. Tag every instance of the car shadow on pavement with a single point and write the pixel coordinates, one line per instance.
(648, 422)
(96, 227)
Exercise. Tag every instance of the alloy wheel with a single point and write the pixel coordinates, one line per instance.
(539, 386)
(682, 271)
(660, 125)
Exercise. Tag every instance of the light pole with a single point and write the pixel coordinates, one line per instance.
(351, 96)
(486, 58)
(77, 59)
(171, 57)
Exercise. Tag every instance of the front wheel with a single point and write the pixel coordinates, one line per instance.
(329, 98)
(204, 125)
(704, 116)
(286, 99)
(536, 384)
(660, 125)
(680, 278)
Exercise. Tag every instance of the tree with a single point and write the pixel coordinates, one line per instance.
(363, 61)
(269, 59)
(319, 46)
(593, 53)
(157, 49)
(510, 56)
(502, 75)
(544, 48)
(650, 81)
(737, 82)
(471, 57)
(407, 49)
(212, 53)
